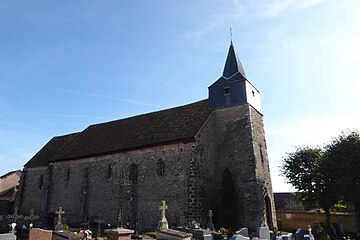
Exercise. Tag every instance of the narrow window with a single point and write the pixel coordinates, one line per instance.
(161, 167)
(261, 153)
(41, 181)
(133, 173)
(226, 91)
(109, 171)
(68, 174)
(253, 93)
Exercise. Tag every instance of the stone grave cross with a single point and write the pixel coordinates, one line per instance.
(122, 182)
(99, 221)
(59, 226)
(31, 217)
(163, 225)
(14, 217)
(163, 209)
(210, 224)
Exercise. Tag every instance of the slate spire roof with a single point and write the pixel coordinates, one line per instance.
(232, 64)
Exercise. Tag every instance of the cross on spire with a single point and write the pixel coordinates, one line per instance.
(230, 35)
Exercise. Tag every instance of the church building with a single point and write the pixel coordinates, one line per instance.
(207, 155)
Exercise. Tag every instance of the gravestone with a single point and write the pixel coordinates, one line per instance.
(40, 234)
(286, 236)
(31, 217)
(98, 221)
(119, 234)
(210, 224)
(200, 234)
(239, 237)
(14, 218)
(243, 232)
(59, 226)
(263, 233)
(163, 224)
(299, 234)
(8, 236)
(170, 234)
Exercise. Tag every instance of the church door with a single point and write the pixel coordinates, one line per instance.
(227, 214)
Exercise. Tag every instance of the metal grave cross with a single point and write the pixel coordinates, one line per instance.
(163, 208)
(59, 213)
(15, 216)
(31, 217)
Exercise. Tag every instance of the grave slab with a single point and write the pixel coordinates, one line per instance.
(201, 234)
(8, 236)
(243, 232)
(239, 237)
(171, 234)
(119, 234)
(40, 234)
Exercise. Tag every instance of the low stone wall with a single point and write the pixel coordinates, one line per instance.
(290, 220)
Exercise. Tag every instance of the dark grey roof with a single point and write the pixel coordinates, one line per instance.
(178, 124)
(232, 64)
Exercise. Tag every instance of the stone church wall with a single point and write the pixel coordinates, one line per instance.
(86, 187)
(227, 142)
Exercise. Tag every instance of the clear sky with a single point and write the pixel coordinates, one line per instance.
(67, 64)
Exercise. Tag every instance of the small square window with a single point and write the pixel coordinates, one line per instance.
(226, 91)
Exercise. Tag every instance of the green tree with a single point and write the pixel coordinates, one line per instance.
(304, 170)
(342, 162)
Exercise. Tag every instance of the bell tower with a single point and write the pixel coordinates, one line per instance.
(241, 191)
(233, 88)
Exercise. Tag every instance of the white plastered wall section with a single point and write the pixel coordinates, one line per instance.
(253, 96)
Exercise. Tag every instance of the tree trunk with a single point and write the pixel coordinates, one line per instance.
(327, 222)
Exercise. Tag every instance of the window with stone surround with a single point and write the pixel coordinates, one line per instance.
(161, 167)
(261, 154)
(133, 172)
(67, 178)
(41, 181)
(109, 171)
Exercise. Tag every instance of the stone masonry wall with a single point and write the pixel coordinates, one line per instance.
(230, 140)
(87, 187)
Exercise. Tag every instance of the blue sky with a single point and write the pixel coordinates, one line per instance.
(67, 64)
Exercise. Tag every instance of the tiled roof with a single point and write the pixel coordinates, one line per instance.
(175, 124)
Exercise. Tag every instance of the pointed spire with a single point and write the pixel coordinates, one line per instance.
(233, 64)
